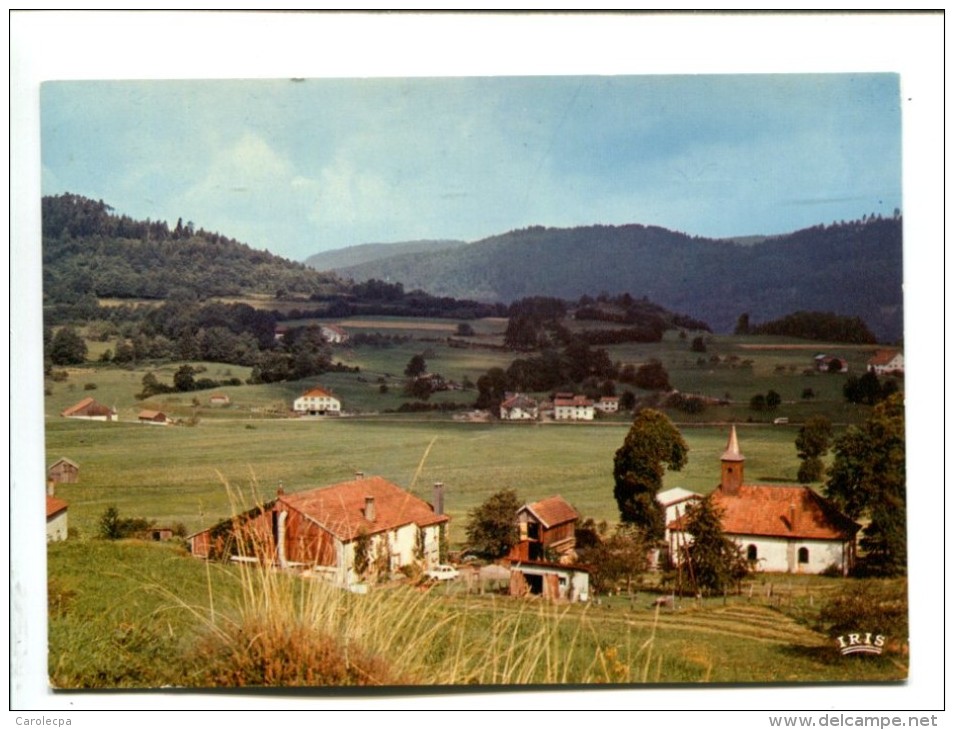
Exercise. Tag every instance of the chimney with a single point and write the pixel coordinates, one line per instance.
(281, 488)
(369, 509)
(50, 487)
(438, 498)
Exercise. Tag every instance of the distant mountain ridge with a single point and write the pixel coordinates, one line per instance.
(341, 258)
(852, 269)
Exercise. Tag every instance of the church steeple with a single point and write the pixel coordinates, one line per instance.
(733, 465)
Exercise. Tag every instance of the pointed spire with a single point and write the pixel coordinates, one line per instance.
(732, 452)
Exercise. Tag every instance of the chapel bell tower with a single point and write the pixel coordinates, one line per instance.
(733, 466)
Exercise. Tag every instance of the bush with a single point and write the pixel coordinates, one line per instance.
(90, 386)
(879, 607)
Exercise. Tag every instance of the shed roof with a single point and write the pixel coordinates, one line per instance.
(64, 460)
(54, 505)
(340, 507)
(552, 511)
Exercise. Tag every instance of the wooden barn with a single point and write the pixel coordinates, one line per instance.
(322, 530)
(63, 471)
(547, 527)
(154, 418)
(90, 410)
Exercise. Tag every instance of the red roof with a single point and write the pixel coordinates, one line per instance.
(778, 511)
(883, 357)
(54, 505)
(574, 401)
(519, 401)
(88, 407)
(553, 511)
(317, 392)
(340, 508)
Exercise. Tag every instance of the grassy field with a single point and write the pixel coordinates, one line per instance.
(130, 614)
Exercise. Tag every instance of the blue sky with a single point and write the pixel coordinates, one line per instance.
(302, 166)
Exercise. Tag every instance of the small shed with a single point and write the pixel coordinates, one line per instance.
(153, 417)
(63, 471)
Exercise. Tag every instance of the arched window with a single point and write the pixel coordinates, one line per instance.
(752, 553)
(802, 555)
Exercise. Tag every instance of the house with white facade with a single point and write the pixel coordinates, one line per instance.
(317, 402)
(90, 410)
(607, 404)
(786, 529)
(886, 362)
(326, 531)
(57, 518)
(569, 407)
(334, 334)
(518, 407)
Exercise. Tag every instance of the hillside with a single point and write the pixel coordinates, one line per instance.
(89, 250)
(368, 252)
(852, 269)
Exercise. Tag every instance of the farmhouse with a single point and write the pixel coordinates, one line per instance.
(317, 402)
(518, 407)
(334, 334)
(787, 529)
(830, 364)
(90, 410)
(219, 399)
(886, 362)
(569, 407)
(56, 519)
(607, 404)
(63, 471)
(547, 531)
(327, 531)
(154, 418)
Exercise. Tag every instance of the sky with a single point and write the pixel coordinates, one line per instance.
(299, 166)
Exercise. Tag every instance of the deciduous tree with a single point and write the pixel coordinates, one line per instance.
(652, 445)
(492, 527)
(716, 562)
(812, 443)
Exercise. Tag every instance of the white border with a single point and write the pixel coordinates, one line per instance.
(80, 45)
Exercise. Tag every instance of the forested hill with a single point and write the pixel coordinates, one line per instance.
(88, 250)
(851, 269)
(355, 255)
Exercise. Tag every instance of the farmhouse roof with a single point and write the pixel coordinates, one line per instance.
(54, 505)
(334, 328)
(317, 392)
(87, 405)
(552, 511)
(883, 357)
(563, 399)
(518, 400)
(779, 511)
(340, 508)
(151, 414)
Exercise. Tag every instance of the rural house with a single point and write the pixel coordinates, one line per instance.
(830, 364)
(788, 529)
(607, 404)
(324, 530)
(219, 399)
(317, 402)
(90, 410)
(886, 362)
(334, 334)
(547, 531)
(63, 471)
(569, 407)
(153, 418)
(518, 407)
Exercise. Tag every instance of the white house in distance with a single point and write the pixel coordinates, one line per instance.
(334, 334)
(317, 402)
(886, 362)
(607, 404)
(518, 407)
(569, 407)
(787, 529)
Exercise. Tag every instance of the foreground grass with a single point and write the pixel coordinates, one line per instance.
(132, 614)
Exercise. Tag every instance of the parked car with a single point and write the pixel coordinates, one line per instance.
(442, 572)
